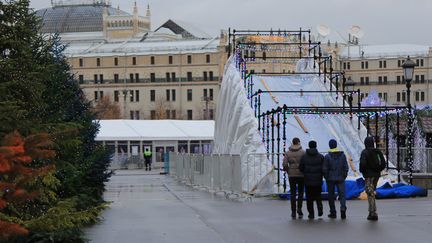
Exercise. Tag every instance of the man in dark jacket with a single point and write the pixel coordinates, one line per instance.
(311, 165)
(372, 162)
(295, 176)
(335, 170)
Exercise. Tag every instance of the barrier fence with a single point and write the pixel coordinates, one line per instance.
(216, 173)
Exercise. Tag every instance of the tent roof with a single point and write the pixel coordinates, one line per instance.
(154, 130)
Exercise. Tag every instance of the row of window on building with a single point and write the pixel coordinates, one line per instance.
(152, 60)
(381, 64)
(170, 95)
(135, 78)
(171, 114)
(420, 79)
(400, 96)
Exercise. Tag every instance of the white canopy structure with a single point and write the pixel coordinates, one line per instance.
(155, 130)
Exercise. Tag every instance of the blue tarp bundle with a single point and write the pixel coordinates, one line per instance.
(353, 189)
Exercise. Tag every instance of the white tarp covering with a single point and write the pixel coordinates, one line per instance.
(154, 130)
(236, 126)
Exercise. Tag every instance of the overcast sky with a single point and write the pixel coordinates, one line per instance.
(383, 21)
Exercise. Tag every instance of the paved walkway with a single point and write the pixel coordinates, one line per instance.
(155, 208)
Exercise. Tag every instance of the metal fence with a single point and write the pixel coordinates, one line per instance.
(216, 173)
(422, 158)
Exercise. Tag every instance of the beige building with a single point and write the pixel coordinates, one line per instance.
(173, 72)
(379, 68)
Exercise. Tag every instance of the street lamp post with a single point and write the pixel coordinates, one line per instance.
(408, 68)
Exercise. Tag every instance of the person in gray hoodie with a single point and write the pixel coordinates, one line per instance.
(295, 176)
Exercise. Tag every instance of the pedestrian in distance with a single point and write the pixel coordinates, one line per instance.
(335, 170)
(148, 158)
(372, 162)
(311, 164)
(291, 164)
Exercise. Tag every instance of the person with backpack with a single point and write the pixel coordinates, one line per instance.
(335, 170)
(291, 163)
(311, 164)
(372, 162)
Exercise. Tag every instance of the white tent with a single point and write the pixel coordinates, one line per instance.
(154, 130)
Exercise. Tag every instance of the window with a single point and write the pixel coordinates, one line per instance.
(137, 79)
(173, 94)
(417, 78)
(116, 96)
(421, 62)
(173, 114)
(152, 60)
(398, 96)
(167, 114)
(168, 95)
(418, 62)
(422, 78)
(385, 97)
(417, 95)
(189, 114)
(384, 64)
(399, 63)
(173, 77)
(189, 76)
(98, 62)
(137, 96)
(101, 79)
(152, 77)
(131, 76)
(385, 79)
(208, 58)
(367, 80)
(152, 114)
(211, 114)
(205, 76)
(116, 78)
(422, 95)
(211, 94)
(131, 115)
(95, 78)
(205, 93)
(170, 60)
(81, 79)
(168, 77)
(380, 95)
(211, 75)
(362, 80)
(344, 65)
(81, 62)
(96, 97)
(137, 115)
(379, 80)
(189, 95)
(189, 59)
(398, 79)
(348, 65)
(133, 60)
(131, 95)
(366, 65)
(403, 96)
(115, 61)
(264, 55)
(380, 64)
(152, 95)
(362, 65)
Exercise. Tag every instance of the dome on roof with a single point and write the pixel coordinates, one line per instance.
(75, 18)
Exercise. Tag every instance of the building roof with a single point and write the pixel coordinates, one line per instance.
(155, 130)
(75, 18)
(187, 30)
(391, 50)
(133, 47)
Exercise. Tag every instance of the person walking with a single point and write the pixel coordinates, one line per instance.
(148, 158)
(291, 164)
(311, 164)
(372, 162)
(335, 170)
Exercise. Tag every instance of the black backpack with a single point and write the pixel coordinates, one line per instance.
(376, 160)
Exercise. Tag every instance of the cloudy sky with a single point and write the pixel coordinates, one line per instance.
(383, 21)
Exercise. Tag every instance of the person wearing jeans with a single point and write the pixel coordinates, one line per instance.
(295, 176)
(335, 170)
